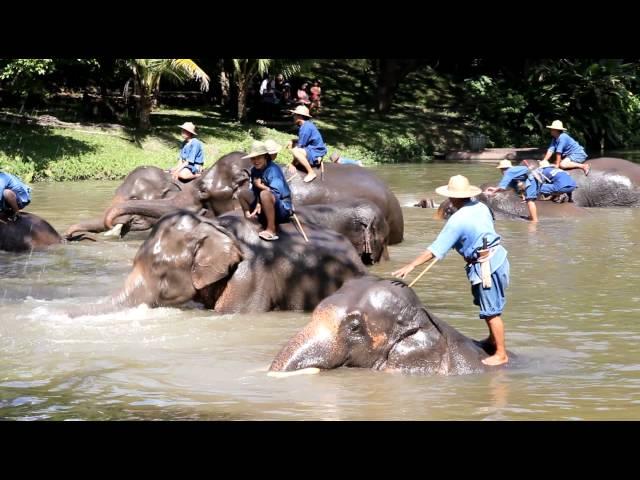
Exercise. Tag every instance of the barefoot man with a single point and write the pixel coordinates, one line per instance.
(309, 146)
(471, 232)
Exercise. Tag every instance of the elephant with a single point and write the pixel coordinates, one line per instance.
(224, 265)
(381, 324)
(28, 232)
(216, 192)
(360, 221)
(142, 183)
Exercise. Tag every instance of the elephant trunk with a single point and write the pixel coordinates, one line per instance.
(314, 346)
(144, 208)
(95, 225)
(134, 293)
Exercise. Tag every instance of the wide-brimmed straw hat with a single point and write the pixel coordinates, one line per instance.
(544, 163)
(301, 110)
(273, 147)
(458, 187)
(257, 149)
(505, 164)
(189, 127)
(556, 125)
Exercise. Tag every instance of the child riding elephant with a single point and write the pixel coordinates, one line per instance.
(269, 196)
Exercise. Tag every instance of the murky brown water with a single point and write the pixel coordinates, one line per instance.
(573, 313)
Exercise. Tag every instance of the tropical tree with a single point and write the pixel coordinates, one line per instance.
(245, 70)
(147, 73)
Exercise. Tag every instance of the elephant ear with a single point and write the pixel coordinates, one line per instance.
(215, 256)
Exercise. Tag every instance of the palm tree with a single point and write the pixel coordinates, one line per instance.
(247, 68)
(147, 73)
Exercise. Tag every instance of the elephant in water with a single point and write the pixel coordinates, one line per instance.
(28, 232)
(382, 325)
(223, 264)
(216, 190)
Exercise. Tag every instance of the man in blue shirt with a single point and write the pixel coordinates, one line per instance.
(309, 147)
(556, 181)
(268, 195)
(14, 195)
(518, 178)
(191, 157)
(471, 232)
(569, 153)
(336, 157)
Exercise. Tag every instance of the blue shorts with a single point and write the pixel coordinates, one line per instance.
(550, 188)
(531, 193)
(313, 157)
(193, 168)
(492, 300)
(283, 210)
(576, 158)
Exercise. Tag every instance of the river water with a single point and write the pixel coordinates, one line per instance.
(572, 316)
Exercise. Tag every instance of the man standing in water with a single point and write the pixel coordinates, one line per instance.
(471, 232)
(519, 178)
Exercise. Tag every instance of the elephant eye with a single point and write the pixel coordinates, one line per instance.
(354, 322)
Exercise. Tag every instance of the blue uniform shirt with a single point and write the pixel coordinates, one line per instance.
(558, 177)
(273, 178)
(13, 183)
(567, 147)
(310, 139)
(464, 231)
(520, 173)
(192, 152)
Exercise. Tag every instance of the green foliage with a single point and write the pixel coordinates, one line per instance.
(24, 76)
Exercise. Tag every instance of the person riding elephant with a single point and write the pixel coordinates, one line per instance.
(269, 196)
(191, 158)
(218, 188)
(223, 264)
(569, 154)
(381, 325)
(14, 196)
(558, 184)
(309, 147)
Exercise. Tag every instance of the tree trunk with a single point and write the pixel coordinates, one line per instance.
(145, 105)
(225, 88)
(242, 97)
(387, 84)
(390, 73)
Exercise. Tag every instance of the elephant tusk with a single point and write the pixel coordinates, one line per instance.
(114, 232)
(304, 371)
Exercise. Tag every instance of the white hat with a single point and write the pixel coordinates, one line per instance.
(556, 125)
(544, 163)
(301, 110)
(458, 187)
(273, 147)
(257, 149)
(189, 127)
(505, 164)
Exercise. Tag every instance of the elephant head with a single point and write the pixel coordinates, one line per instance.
(186, 257)
(142, 183)
(381, 325)
(218, 186)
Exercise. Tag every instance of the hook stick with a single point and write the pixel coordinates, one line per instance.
(423, 272)
(295, 218)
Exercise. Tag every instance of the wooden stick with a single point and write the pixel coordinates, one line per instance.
(321, 171)
(295, 218)
(423, 272)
